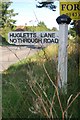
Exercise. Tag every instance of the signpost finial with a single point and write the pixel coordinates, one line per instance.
(63, 19)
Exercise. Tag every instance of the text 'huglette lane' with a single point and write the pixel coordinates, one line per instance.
(30, 35)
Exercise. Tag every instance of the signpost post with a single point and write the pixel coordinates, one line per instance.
(63, 22)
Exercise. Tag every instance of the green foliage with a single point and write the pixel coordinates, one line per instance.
(72, 31)
(40, 27)
(6, 14)
(19, 101)
(54, 29)
(6, 22)
(76, 27)
(4, 36)
(19, 81)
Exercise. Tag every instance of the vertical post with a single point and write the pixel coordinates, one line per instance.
(1, 81)
(62, 54)
(63, 22)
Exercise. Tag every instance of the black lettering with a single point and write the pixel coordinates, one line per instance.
(20, 40)
(34, 34)
(45, 35)
(41, 35)
(56, 40)
(63, 6)
(44, 40)
(74, 14)
(11, 40)
(14, 41)
(49, 35)
(31, 34)
(40, 40)
(16, 35)
(52, 40)
(33, 41)
(11, 34)
(24, 40)
(76, 7)
(20, 35)
(36, 40)
(69, 14)
(69, 7)
(27, 34)
(47, 40)
(24, 34)
(29, 40)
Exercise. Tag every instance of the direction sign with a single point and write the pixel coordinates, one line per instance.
(32, 38)
(70, 8)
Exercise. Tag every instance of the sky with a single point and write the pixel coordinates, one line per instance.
(30, 15)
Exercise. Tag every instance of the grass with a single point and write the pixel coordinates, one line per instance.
(19, 101)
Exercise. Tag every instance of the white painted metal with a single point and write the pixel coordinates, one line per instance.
(0, 83)
(62, 56)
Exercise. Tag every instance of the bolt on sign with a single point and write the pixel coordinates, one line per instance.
(70, 8)
(32, 38)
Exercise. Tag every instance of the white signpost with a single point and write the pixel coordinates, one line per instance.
(32, 38)
(63, 22)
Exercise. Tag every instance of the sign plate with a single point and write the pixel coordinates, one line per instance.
(32, 38)
(70, 8)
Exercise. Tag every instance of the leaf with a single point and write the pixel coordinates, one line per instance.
(68, 101)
